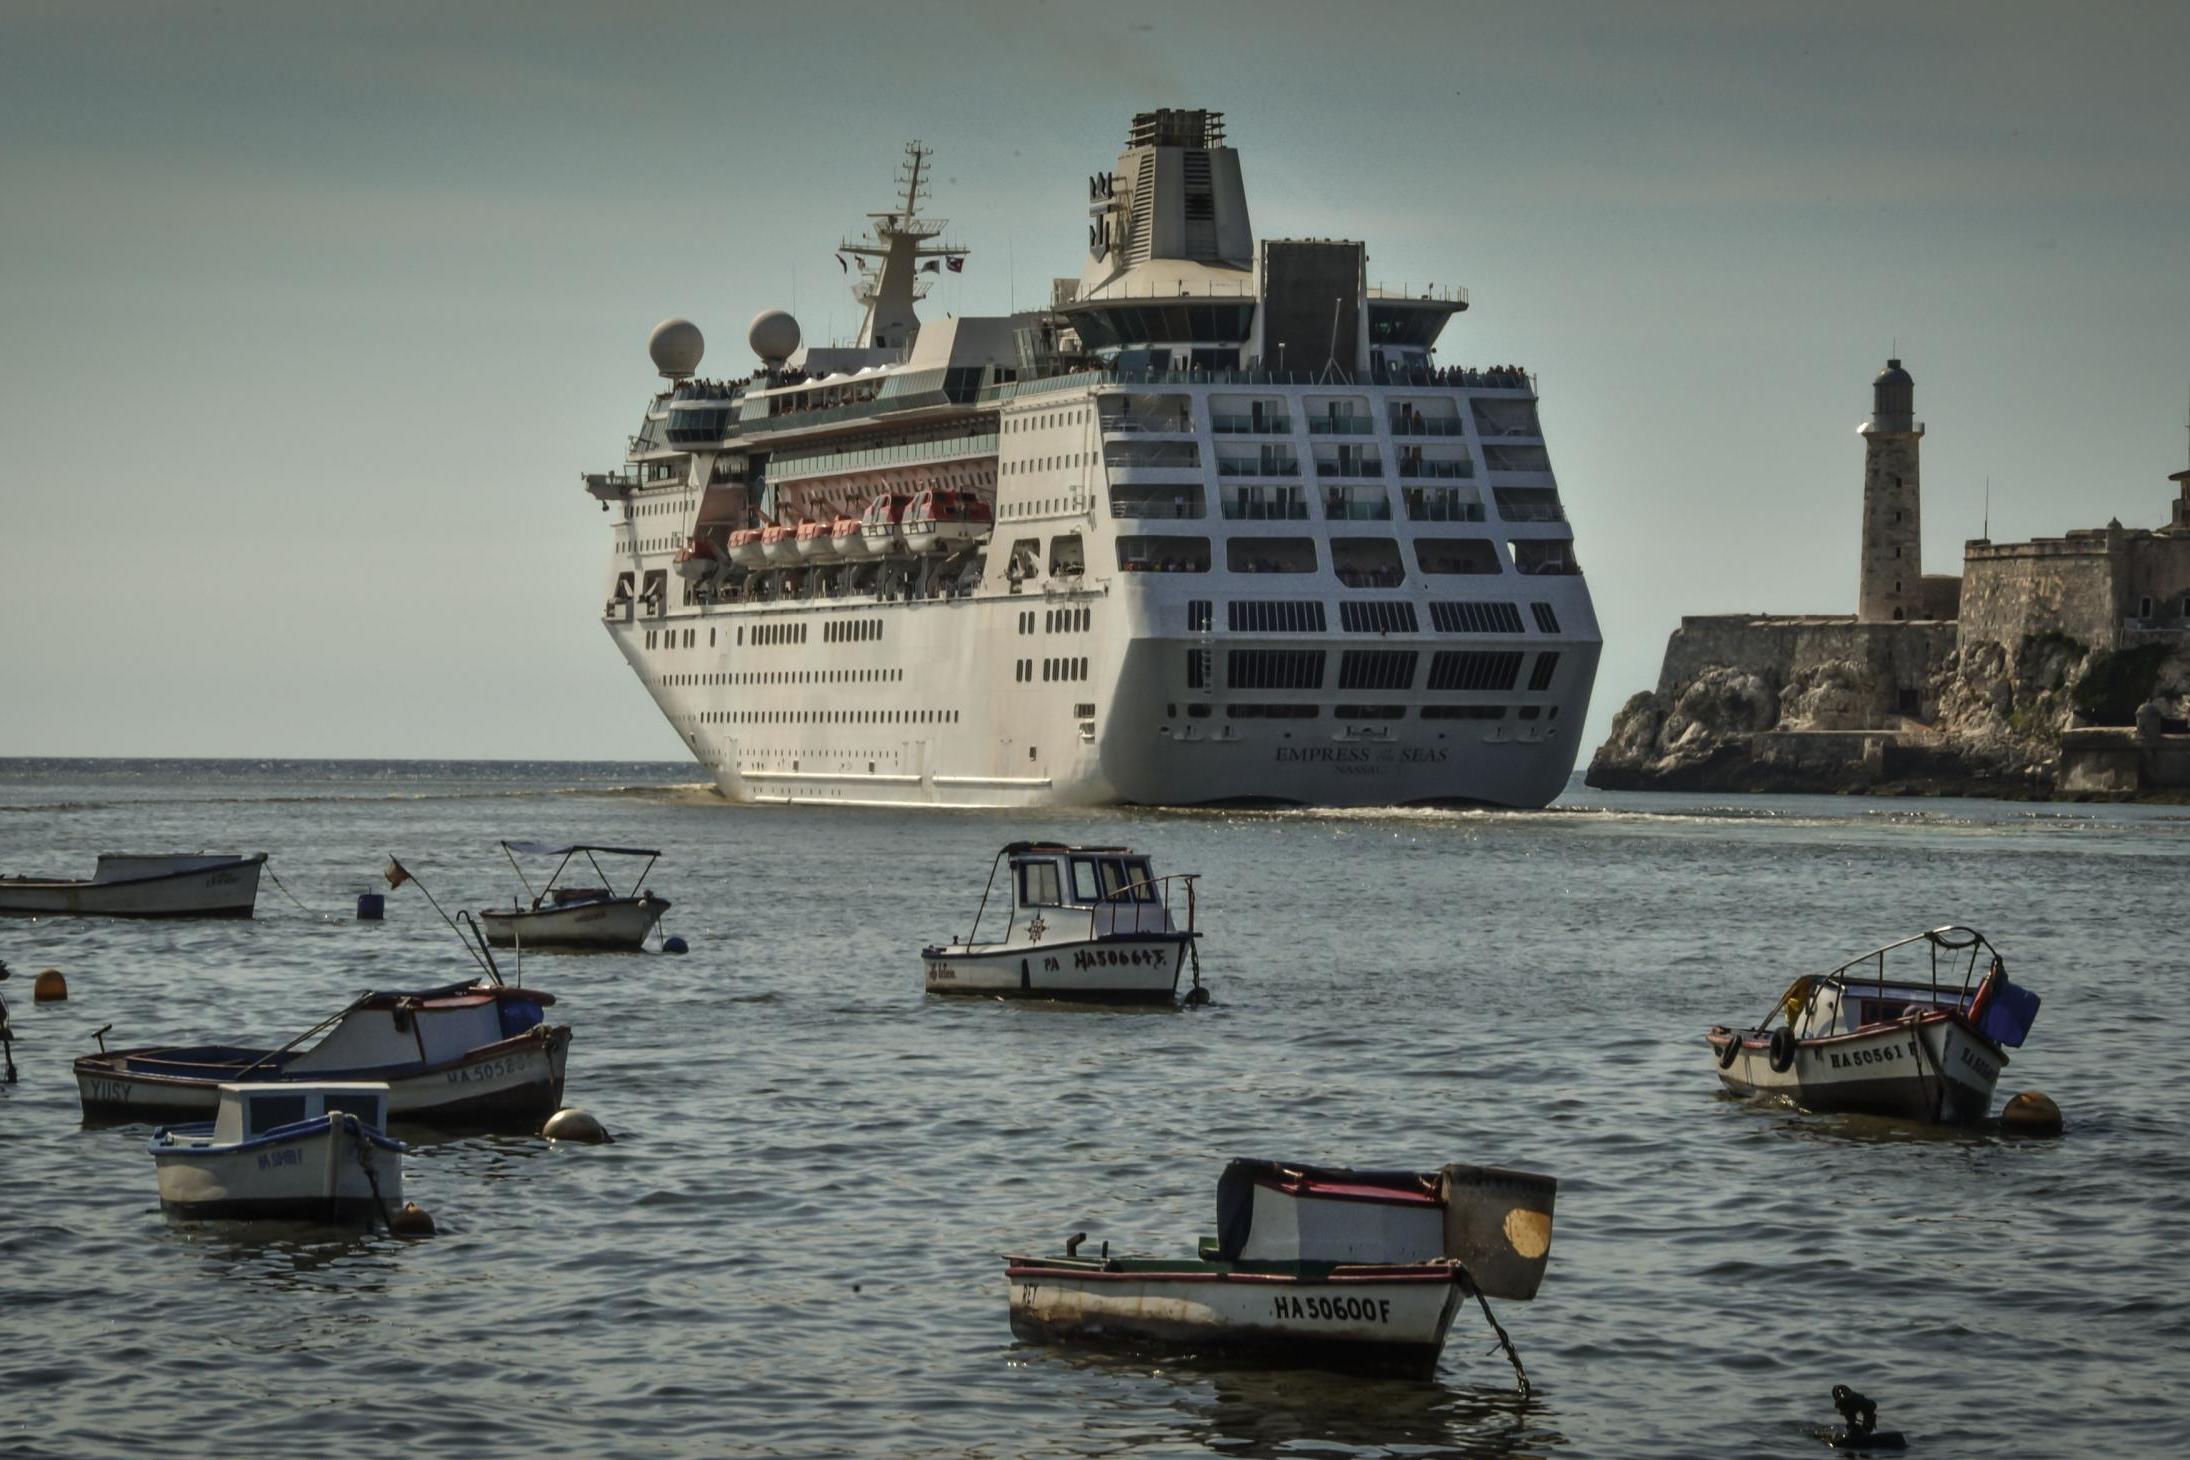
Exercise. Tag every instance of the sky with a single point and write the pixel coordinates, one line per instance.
(312, 315)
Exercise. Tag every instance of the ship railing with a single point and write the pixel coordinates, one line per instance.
(1409, 467)
(1369, 506)
(1228, 425)
(1442, 507)
(1265, 466)
(1359, 466)
(1341, 426)
(1428, 426)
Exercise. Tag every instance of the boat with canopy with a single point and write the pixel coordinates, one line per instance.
(589, 917)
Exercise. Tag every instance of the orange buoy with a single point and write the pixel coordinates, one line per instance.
(50, 988)
(2031, 1113)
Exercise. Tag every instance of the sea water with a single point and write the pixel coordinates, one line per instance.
(795, 1244)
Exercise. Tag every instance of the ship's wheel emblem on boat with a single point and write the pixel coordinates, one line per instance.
(1036, 928)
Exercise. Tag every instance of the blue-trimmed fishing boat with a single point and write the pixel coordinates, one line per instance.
(290, 1151)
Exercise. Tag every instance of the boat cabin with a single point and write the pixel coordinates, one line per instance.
(1496, 1223)
(1115, 888)
(248, 1112)
(385, 1030)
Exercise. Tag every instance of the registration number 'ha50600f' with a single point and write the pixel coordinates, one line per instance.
(1341, 1310)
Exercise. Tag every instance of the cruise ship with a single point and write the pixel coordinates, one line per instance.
(1213, 526)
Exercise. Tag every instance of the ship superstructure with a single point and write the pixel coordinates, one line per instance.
(1214, 525)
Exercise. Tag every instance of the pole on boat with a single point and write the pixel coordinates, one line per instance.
(398, 874)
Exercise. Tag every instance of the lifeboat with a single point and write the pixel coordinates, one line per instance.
(780, 545)
(813, 542)
(939, 521)
(698, 561)
(745, 548)
(844, 538)
(881, 528)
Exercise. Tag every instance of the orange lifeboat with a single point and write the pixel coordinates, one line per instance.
(938, 521)
(880, 529)
(780, 545)
(844, 538)
(745, 548)
(698, 560)
(813, 542)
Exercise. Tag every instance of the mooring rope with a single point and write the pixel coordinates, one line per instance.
(1504, 1342)
(285, 892)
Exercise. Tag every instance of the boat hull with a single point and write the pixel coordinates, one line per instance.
(620, 923)
(307, 1172)
(1376, 1320)
(228, 888)
(1935, 1069)
(1138, 968)
(515, 1081)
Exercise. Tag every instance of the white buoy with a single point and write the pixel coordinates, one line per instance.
(573, 1124)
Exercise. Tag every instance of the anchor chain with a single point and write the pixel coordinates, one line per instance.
(363, 1149)
(1504, 1342)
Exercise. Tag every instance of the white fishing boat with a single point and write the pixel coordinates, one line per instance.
(1925, 1041)
(465, 1054)
(295, 1152)
(596, 917)
(130, 885)
(1082, 923)
(1326, 1268)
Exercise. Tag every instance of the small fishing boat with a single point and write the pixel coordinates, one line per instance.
(298, 1152)
(576, 917)
(131, 885)
(1083, 923)
(466, 1054)
(1311, 1266)
(1926, 1041)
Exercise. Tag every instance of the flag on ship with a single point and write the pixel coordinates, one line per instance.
(395, 874)
(957, 265)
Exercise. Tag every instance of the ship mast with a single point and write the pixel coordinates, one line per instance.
(901, 244)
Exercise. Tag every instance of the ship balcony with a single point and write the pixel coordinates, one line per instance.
(1160, 455)
(1145, 414)
(1356, 504)
(1251, 425)
(1265, 504)
(1497, 419)
(1448, 469)
(1341, 426)
(1544, 557)
(1443, 504)
(1416, 424)
(1350, 463)
(1157, 500)
(1269, 463)
(1529, 504)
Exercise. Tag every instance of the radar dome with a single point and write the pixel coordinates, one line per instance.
(774, 336)
(676, 346)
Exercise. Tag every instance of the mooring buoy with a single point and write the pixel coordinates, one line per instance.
(675, 944)
(50, 988)
(2031, 1113)
(573, 1124)
(413, 1221)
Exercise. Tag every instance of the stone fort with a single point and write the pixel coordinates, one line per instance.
(1770, 701)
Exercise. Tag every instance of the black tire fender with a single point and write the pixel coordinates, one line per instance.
(1781, 1055)
(1731, 1052)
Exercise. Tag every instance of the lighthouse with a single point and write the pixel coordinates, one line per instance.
(1890, 588)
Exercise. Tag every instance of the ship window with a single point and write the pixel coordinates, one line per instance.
(1084, 885)
(1144, 880)
(1367, 562)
